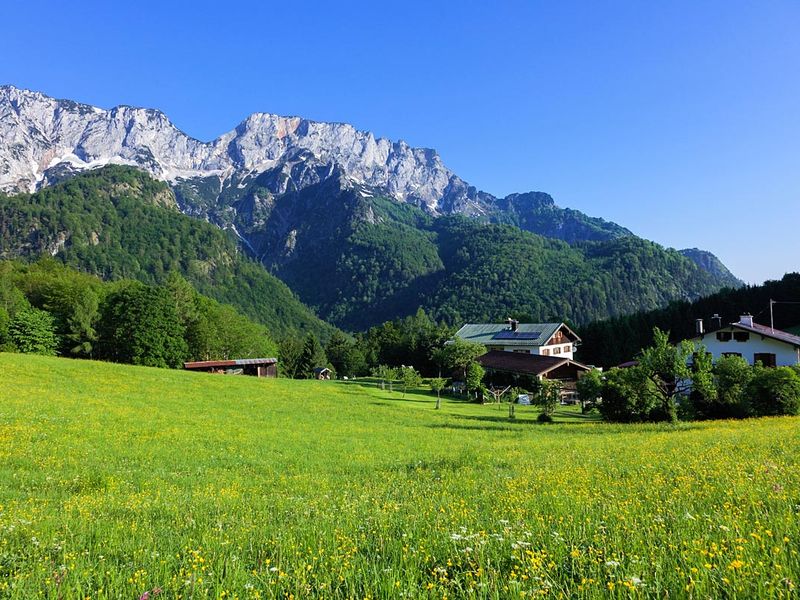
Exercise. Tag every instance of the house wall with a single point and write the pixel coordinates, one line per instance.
(566, 349)
(785, 354)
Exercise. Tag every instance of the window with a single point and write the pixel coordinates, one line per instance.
(567, 348)
(523, 351)
(732, 354)
(557, 350)
(765, 358)
(545, 352)
(741, 336)
(724, 336)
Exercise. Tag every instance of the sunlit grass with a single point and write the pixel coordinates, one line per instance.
(116, 481)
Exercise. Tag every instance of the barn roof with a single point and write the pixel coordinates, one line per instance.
(530, 364)
(204, 364)
(527, 334)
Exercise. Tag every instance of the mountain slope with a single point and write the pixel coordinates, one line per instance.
(359, 227)
(710, 263)
(118, 222)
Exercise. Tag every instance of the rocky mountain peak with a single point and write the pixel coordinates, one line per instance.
(43, 139)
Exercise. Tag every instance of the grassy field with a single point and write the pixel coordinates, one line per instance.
(125, 482)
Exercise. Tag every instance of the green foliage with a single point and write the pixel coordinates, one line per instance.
(140, 325)
(474, 377)
(437, 385)
(73, 300)
(590, 387)
(410, 378)
(415, 339)
(312, 357)
(460, 355)
(32, 331)
(219, 332)
(629, 396)
(345, 356)
(386, 257)
(667, 367)
(290, 349)
(547, 396)
(774, 391)
(732, 377)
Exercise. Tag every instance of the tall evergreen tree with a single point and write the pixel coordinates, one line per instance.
(313, 356)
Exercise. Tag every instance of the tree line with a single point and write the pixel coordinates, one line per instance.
(48, 308)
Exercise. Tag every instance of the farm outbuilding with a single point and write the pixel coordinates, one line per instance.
(322, 373)
(256, 367)
(511, 368)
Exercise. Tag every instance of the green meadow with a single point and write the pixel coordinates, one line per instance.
(131, 482)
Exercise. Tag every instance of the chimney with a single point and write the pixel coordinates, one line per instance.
(512, 323)
(716, 320)
(746, 320)
(698, 326)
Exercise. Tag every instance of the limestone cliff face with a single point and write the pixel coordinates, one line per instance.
(43, 140)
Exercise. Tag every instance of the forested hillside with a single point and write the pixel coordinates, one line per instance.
(611, 342)
(374, 259)
(118, 222)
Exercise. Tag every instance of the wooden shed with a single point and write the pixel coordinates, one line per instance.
(256, 367)
(322, 373)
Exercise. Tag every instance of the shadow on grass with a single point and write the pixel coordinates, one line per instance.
(509, 426)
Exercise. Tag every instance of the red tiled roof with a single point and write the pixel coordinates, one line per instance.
(517, 362)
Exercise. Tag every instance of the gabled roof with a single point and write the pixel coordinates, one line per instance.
(531, 364)
(527, 334)
(775, 334)
(202, 364)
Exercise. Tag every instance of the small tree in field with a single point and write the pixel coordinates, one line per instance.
(474, 377)
(410, 378)
(437, 385)
(667, 368)
(547, 398)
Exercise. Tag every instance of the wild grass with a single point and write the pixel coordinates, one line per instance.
(119, 482)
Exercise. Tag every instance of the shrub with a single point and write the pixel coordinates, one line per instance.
(629, 396)
(774, 391)
(32, 331)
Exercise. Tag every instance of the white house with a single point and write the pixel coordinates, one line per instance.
(544, 339)
(751, 341)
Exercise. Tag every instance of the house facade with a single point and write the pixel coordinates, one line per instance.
(543, 339)
(752, 341)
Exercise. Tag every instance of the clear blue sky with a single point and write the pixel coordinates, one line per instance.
(679, 120)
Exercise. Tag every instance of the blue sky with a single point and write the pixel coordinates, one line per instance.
(679, 120)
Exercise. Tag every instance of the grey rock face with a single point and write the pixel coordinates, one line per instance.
(43, 140)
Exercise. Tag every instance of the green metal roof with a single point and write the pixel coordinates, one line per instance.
(487, 333)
